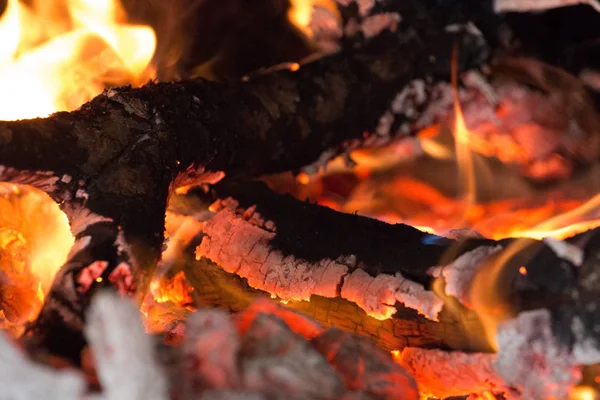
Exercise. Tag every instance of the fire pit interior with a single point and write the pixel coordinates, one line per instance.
(300, 199)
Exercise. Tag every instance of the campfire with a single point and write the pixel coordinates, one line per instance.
(306, 199)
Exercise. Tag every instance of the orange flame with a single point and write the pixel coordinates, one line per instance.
(464, 156)
(35, 240)
(57, 54)
(175, 290)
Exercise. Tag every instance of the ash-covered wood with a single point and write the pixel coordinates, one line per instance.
(501, 278)
(445, 374)
(278, 362)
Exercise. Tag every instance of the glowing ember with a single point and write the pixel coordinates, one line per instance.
(56, 55)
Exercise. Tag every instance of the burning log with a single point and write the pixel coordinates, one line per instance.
(510, 276)
(122, 152)
(445, 374)
(125, 152)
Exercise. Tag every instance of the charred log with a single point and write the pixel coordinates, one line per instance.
(386, 268)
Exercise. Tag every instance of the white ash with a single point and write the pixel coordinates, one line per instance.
(123, 248)
(463, 234)
(566, 251)
(384, 125)
(79, 245)
(591, 78)
(378, 295)
(82, 194)
(453, 373)
(320, 162)
(475, 80)
(501, 6)
(282, 364)
(326, 29)
(22, 379)
(586, 349)
(196, 175)
(531, 360)
(43, 180)
(242, 248)
(410, 98)
(66, 178)
(210, 351)
(468, 27)
(80, 217)
(131, 104)
(373, 25)
(458, 275)
(124, 354)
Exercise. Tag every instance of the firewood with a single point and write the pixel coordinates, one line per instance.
(123, 152)
(527, 281)
(445, 374)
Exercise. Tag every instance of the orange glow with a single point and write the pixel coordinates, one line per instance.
(300, 13)
(523, 270)
(35, 240)
(303, 178)
(175, 290)
(168, 301)
(57, 54)
(584, 393)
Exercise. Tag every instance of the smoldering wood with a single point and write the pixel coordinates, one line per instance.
(444, 374)
(552, 279)
(122, 152)
(365, 367)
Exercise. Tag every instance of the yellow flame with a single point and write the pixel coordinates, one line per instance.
(584, 393)
(570, 223)
(464, 157)
(57, 54)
